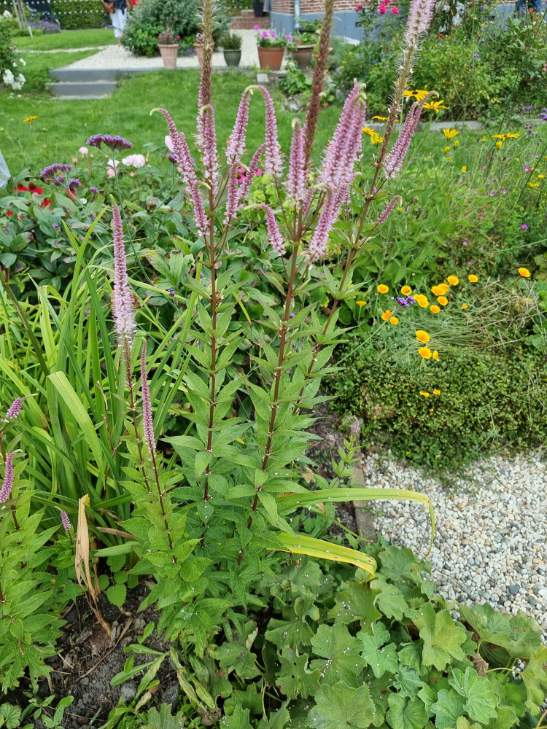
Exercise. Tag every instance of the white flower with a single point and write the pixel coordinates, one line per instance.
(134, 160)
(169, 143)
(84, 151)
(111, 167)
(22, 62)
(7, 14)
(7, 77)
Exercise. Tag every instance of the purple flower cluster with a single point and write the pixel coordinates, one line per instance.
(114, 141)
(14, 409)
(420, 13)
(7, 483)
(65, 521)
(274, 234)
(389, 208)
(74, 183)
(50, 173)
(394, 160)
(272, 151)
(405, 300)
(122, 300)
(296, 181)
(235, 148)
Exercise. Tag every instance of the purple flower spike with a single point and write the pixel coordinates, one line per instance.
(389, 208)
(272, 151)
(65, 521)
(74, 183)
(14, 409)
(327, 218)
(114, 141)
(207, 142)
(274, 234)
(296, 182)
(51, 171)
(235, 149)
(7, 483)
(394, 160)
(148, 422)
(252, 172)
(122, 300)
(419, 18)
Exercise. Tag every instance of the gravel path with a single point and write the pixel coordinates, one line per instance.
(491, 528)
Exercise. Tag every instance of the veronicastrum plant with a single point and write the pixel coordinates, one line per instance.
(212, 503)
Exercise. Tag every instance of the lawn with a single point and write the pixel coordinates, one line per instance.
(63, 126)
(67, 39)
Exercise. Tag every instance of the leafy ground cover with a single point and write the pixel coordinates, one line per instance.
(66, 39)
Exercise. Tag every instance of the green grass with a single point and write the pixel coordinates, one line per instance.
(66, 39)
(63, 126)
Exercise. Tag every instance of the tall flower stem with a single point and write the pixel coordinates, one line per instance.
(283, 328)
(214, 300)
(126, 349)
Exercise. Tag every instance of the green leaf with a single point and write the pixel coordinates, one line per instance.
(390, 600)
(441, 635)
(341, 654)
(406, 713)
(535, 680)
(447, 709)
(294, 678)
(238, 720)
(237, 657)
(518, 634)
(10, 716)
(342, 707)
(380, 657)
(480, 695)
(116, 594)
(354, 601)
(301, 544)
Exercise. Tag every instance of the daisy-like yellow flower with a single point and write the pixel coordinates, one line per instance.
(465, 307)
(473, 278)
(375, 138)
(512, 135)
(382, 289)
(524, 272)
(360, 303)
(406, 290)
(425, 352)
(436, 392)
(422, 336)
(443, 301)
(435, 355)
(499, 144)
(394, 320)
(421, 300)
(30, 119)
(424, 393)
(436, 106)
(450, 133)
(379, 118)
(533, 185)
(453, 280)
(434, 309)
(440, 289)
(387, 314)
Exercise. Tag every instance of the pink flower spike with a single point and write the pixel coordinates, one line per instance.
(394, 160)
(207, 142)
(7, 483)
(296, 181)
(274, 234)
(65, 521)
(272, 151)
(148, 423)
(14, 409)
(235, 147)
(251, 173)
(389, 208)
(329, 214)
(122, 299)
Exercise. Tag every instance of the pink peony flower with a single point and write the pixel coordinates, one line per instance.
(134, 160)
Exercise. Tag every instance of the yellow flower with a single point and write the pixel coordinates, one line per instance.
(421, 300)
(436, 392)
(499, 136)
(360, 303)
(453, 280)
(422, 336)
(464, 169)
(382, 289)
(425, 352)
(379, 118)
(456, 143)
(512, 135)
(406, 290)
(375, 138)
(440, 289)
(524, 272)
(436, 106)
(435, 355)
(533, 185)
(424, 393)
(387, 314)
(541, 177)
(473, 278)
(450, 133)
(447, 149)
(434, 309)
(465, 307)
(443, 301)
(499, 145)
(29, 119)
(394, 320)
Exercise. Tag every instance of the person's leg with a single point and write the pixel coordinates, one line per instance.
(521, 6)
(536, 5)
(117, 23)
(123, 19)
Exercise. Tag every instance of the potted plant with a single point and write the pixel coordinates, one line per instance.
(303, 42)
(271, 49)
(231, 48)
(168, 43)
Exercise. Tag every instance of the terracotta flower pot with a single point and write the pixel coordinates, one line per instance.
(302, 56)
(271, 58)
(169, 52)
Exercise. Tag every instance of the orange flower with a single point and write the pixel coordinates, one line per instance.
(435, 355)
(473, 278)
(382, 289)
(524, 272)
(406, 290)
(387, 314)
(422, 336)
(421, 300)
(453, 280)
(434, 309)
(440, 289)
(443, 301)
(425, 352)
(394, 320)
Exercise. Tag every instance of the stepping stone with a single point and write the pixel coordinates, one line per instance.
(82, 89)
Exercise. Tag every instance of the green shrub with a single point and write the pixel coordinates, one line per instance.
(152, 17)
(10, 67)
(487, 402)
(78, 14)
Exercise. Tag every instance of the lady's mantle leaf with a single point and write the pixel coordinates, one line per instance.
(535, 680)
(480, 696)
(447, 709)
(406, 713)
(341, 652)
(518, 634)
(380, 657)
(342, 707)
(442, 637)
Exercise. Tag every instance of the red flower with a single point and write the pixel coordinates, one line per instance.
(9, 213)
(31, 188)
(46, 202)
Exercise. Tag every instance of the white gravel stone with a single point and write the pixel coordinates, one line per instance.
(491, 528)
